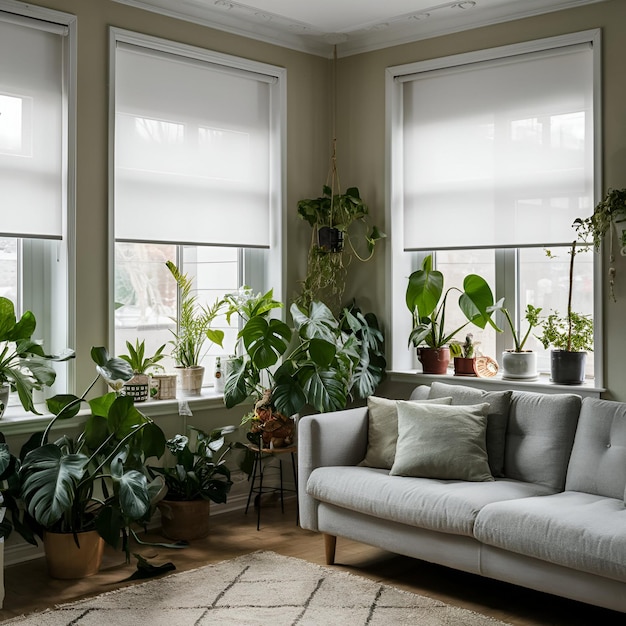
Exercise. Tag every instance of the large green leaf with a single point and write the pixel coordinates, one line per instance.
(477, 301)
(152, 440)
(96, 431)
(123, 417)
(319, 322)
(424, 289)
(64, 406)
(5, 459)
(133, 495)
(236, 386)
(24, 328)
(109, 524)
(265, 340)
(49, 482)
(325, 390)
(110, 368)
(322, 352)
(7, 319)
(101, 405)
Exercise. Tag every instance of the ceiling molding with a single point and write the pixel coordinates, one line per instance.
(438, 19)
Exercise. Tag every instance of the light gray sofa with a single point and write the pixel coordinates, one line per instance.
(553, 519)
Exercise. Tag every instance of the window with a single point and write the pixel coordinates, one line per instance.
(492, 159)
(37, 79)
(196, 178)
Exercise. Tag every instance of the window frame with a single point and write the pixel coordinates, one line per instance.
(273, 274)
(401, 263)
(47, 268)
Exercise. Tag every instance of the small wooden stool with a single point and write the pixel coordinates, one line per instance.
(258, 472)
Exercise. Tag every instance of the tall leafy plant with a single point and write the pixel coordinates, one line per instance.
(427, 302)
(193, 324)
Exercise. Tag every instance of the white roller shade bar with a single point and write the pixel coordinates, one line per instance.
(498, 153)
(32, 112)
(192, 150)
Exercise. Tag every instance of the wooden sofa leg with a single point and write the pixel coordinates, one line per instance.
(330, 544)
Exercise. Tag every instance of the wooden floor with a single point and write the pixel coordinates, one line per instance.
(28, 587)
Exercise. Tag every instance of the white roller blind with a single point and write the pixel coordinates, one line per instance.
(31, 128)
(192, 151)
(498, 153)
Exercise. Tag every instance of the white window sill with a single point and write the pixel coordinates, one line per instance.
(17, 421)
(541, 385)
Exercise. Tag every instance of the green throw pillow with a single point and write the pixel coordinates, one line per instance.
(447, 442)
(382, 430)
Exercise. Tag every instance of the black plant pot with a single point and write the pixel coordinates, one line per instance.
(568, 368)
(330, 239)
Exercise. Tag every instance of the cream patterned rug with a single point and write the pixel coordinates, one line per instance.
(256, 589)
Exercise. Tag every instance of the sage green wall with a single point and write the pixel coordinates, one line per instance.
(308, 132)
(361, 139)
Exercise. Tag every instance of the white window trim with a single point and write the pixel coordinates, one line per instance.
(276, 266)
(398, 262)
(68, 250)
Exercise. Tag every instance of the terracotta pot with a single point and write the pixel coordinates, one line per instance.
(464, 366)
(567, 368)
(185, 520)
(66, 560)
(519, 365)
(190, 380)
(434, 360)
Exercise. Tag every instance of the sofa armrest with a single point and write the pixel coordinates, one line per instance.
(338, 438)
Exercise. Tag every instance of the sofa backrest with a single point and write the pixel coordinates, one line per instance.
(598, 461)
(540, 436)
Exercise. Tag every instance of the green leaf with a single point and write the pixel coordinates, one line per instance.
(96, 431)
(265, 341)
(64, 406)
(133, 495)
(476, 301)
(109, 525)
(424, 289)
(101, 405)
(152, 440)
(123, 417)
(49, 482)
(216, 336)
(322, 352)
(7, 319)
(24, 328)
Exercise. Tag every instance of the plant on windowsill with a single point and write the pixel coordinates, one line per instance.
(193, 328)
(517, 363)
(334, 218)
(197, 477)
(23, 364)
(138, 387)
(427, 301)
(610, 211)
(91, 485)
(571, 336)
(464, 355)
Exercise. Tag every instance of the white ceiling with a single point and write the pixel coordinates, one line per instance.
(354, 25)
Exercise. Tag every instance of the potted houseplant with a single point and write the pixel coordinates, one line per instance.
(331, 217)
(464, 355)
(610, 211)
(426, 300)
(517, 363)
(23, 364)
(571, 337)
(197, 477)
(324, 360)
(88, 488)
(138, 387)
(193, 328)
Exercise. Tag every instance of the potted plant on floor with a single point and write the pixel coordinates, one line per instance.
(80, 490)
(138, 387)
(571, 337)
(517, 363)
(610, 211)
(23, 364)
(193, 328)
(427, 301)
(197, 477)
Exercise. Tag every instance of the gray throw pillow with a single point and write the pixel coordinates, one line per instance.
(446, 442)
(382, 431)
(497, 418)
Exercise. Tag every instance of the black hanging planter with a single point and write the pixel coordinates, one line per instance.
(330, 239)
(567, 368)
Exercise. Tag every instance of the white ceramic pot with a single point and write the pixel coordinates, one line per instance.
(519, 365)
(190, 380)
(5, 389)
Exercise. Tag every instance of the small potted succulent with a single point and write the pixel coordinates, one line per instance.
(464, 355)
(138, 387)
(197, 476)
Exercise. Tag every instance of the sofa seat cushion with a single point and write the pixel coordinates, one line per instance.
(447, 506)
(578, 530)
